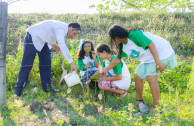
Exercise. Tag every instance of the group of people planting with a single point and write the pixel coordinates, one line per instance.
(154, 52)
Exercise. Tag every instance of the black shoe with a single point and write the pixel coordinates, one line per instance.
(17, 93)
(52, 90)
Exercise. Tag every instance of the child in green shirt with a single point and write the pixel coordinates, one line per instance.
(87, 61)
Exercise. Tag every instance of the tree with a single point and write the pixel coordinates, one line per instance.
(107, 5)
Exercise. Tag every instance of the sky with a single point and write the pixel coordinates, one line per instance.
(53, 6)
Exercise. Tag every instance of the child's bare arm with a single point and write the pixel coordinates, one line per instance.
(96, 73)
(153, 50)
(114, 78)
(95, 60)
(112, 64)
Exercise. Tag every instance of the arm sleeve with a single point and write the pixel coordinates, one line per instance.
(81, 65)
(139, 38)
(63, 47)
(97, 58)
(118, 68)
(103, 63)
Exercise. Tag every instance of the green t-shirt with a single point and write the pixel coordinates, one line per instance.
(139, 38)
(117, 69)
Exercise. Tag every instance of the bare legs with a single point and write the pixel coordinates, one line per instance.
(154, 86)
(139, 89)
(155, 89)
(111, 90)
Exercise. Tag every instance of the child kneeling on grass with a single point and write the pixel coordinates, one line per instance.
(117, 80)
(87, 61)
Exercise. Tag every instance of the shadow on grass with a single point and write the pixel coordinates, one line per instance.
(62, 108)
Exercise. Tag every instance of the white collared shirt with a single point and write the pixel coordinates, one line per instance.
(50, 31)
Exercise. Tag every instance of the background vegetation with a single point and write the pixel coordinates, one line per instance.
(82, 107)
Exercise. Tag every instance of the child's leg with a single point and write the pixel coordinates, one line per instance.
(155, 89)
(139, 89)
(111, 90)
(109, 86)
(84, 79)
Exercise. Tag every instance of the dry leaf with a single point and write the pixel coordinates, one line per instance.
(44, 111)
(100, 108)
(67, 120)
(100, 96)
(81, 107)
(68, 90)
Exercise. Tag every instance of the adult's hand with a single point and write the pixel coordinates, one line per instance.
(160, 67)
(56, 47)
(73, 67)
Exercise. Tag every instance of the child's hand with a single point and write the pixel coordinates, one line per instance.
(87, 65)
(104, 78)
(160, 67)
(88, 82)
(93, 54)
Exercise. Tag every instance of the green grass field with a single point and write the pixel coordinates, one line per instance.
(85, 107)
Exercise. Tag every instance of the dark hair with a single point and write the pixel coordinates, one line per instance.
(75, 26)
(81, 52)
(120, 32)
(103, 47)
(116, 31)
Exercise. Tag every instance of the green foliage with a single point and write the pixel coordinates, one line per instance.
(176, 78)
(120, 5)
(175, 27)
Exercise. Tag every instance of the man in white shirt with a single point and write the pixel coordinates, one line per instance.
(39, 39)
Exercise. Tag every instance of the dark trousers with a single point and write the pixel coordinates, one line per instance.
(27, 63)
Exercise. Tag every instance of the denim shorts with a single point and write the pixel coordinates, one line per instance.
(149, 69)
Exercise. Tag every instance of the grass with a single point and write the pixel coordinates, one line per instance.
(82, 107)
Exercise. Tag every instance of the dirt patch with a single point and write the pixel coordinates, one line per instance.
(36, 106)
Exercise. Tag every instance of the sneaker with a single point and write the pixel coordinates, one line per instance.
(17, 93)
(143, 108)
(123, 95)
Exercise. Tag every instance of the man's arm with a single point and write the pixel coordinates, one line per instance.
(63, 48)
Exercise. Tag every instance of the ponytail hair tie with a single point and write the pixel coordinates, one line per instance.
(81, 43)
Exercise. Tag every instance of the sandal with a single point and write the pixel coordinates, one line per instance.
(139, 102)
(123, 95)
(153, 111)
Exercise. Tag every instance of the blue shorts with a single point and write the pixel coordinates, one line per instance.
(149, 69)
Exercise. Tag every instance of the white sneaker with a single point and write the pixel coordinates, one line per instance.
(143, 108)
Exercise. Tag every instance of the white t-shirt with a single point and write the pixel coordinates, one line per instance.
(125, 82)
(50, 31)
(83, 62)
(162, 45)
